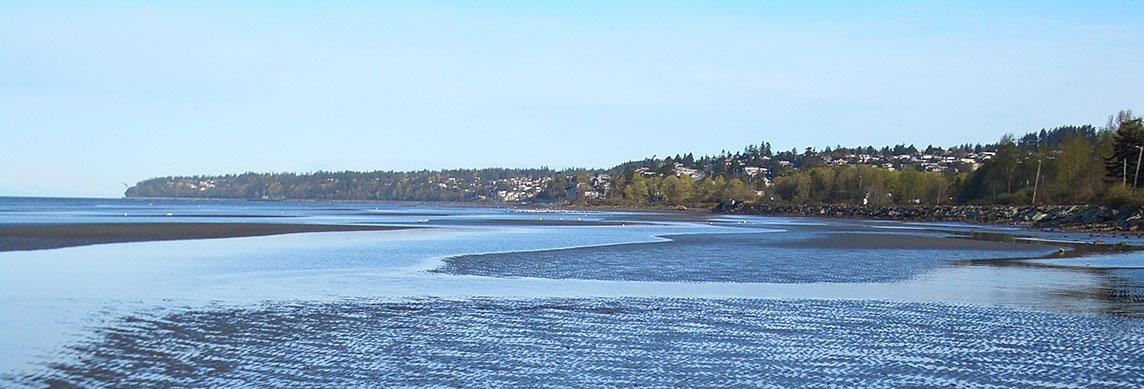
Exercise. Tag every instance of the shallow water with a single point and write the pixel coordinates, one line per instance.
(485, 298)
(739, 258)
(603, 342)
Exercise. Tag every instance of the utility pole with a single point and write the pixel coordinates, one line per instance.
(1136, 179)
(1036, 180)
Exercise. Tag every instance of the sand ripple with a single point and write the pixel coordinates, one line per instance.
(604, 342)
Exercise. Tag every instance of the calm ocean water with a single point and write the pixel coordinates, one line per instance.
(502, 297)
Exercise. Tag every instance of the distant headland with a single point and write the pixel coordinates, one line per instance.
(1067, 165)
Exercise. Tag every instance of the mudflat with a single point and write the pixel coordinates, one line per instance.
(872, 241)
(38, 237)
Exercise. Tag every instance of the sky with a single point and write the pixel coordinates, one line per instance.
(95, 96)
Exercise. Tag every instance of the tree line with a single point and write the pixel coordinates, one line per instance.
(461, 185)
(1063, 165)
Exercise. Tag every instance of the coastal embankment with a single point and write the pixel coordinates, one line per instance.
(1093, 218)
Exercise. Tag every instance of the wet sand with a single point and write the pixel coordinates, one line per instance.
(600, 342)
(872, 241)
(537, 223)
(38, 237)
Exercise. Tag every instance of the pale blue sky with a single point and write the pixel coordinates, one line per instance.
(93, 95)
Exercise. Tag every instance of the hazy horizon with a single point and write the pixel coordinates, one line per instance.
(94, 96)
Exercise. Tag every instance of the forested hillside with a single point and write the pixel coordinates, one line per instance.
(1063, 165)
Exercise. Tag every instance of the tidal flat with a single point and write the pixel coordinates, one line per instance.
(440, 296)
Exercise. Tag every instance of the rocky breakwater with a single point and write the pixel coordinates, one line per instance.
(1066, 217)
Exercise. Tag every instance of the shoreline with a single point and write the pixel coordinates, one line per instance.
(1086, 218)
(1126, 221)
(1073, 219)
(54, 236)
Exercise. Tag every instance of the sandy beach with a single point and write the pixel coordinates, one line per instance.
(38, 237)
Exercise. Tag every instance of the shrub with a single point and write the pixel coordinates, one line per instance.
(1120, 196)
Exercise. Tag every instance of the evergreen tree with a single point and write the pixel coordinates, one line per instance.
(1129, 136)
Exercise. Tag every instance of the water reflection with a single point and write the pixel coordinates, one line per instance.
(659, 342)
(50, 300)
(326, 266)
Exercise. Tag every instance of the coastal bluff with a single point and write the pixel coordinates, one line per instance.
(1096, 218)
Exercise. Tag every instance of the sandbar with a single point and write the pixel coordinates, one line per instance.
(875, 241)
(39, 237)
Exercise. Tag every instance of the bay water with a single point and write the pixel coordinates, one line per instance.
(466, 296)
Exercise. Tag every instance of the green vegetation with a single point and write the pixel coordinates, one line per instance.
(1064, 165)
(445, 185)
